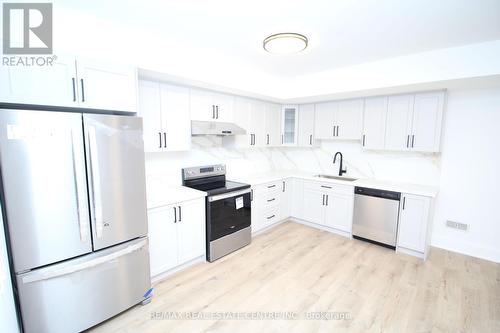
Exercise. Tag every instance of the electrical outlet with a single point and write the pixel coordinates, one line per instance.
(457, 225)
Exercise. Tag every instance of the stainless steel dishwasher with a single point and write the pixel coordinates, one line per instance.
(376, 216)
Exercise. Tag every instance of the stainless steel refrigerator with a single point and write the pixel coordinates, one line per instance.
(73, 187)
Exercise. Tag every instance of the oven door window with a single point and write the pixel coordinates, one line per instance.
(229, 215)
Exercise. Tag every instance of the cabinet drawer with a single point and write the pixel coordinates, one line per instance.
(329, 187)
(269, 199)
(270, 215)
(273, 186)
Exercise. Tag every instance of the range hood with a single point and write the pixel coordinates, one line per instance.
(199, 127)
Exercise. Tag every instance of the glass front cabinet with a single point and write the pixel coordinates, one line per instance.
(289, 125)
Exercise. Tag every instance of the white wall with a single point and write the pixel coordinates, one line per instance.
(470, 174)
(467, 171)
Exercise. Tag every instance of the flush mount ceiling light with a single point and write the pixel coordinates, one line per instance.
(285, 43)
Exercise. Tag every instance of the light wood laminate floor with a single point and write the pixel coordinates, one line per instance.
(297, 271)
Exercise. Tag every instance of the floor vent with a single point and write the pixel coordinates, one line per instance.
(457, 225)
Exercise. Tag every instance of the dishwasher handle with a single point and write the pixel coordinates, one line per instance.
(373, 192)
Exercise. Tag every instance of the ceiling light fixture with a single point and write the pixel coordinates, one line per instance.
(285, 43)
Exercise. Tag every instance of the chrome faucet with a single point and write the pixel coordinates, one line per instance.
(341, 171)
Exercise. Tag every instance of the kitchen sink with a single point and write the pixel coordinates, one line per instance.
(347, 179)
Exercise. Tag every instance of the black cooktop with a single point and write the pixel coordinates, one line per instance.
(215, 185)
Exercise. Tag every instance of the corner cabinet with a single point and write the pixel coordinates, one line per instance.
(176, 235)
(414, 225)
(166, 118)
(289, 125)
(72, 82)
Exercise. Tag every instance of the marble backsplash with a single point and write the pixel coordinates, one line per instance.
(418, 168)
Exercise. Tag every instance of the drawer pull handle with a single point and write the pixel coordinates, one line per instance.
(271, 199)
(271, 186)
(324, 186)
(270, 217)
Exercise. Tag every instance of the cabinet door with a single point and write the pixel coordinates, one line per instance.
(162, 239)
(338, 211)
(349, 119)
(191, 230)
(314, 205)
(375, 115)
(46, 85)
(176, 120)
(224, 105)
(273, 125)
(202, 105)
(289, 125)
(258, 121)
(107, 86)
(398, 124)
(297, 198)
(306, 125)
(413, 220)
(285, 199)
(150, 111)
(427, 118)
(324, 120)
(242, 113)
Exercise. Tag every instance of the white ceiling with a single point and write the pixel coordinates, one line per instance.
(341, 32)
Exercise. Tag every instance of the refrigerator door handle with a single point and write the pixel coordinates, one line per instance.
(96, 182)
(54, 273)
(80, 207)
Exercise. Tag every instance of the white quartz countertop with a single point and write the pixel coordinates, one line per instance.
(417, 189)
(162, 194)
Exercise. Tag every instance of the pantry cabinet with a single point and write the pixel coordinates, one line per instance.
(413, 227)
(211, 106)
(339, 120)
(166, 118)
(71, 82)
(305, 137)
(176, 234)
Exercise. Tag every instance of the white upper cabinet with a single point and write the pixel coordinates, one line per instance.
(324, 120)
(165, 112)
(107, 86)
(258, 120)
(176, 120)
(414, 122)
(211, 106)
(349, 119)
(339, 120)
(47, 85)
(305, 137)
(272, 136)
(150, 111)
(398, 125)
(375, 115)
(427, 121)
(71, 82)
(289, 125)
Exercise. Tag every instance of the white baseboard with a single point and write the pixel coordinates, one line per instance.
(258, 232)
(467, 248)
(411, 252)
(162, 276)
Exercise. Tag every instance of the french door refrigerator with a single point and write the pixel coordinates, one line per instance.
(73, 187)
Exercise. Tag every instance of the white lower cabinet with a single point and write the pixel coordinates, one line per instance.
(329, 205)
(176, 234)
(413, 227)
(271, 203)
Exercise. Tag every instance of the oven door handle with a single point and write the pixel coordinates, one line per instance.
(228, 195)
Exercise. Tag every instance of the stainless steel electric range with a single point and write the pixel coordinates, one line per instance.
(228, 209)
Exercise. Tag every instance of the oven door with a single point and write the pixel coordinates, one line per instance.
(228, 213)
